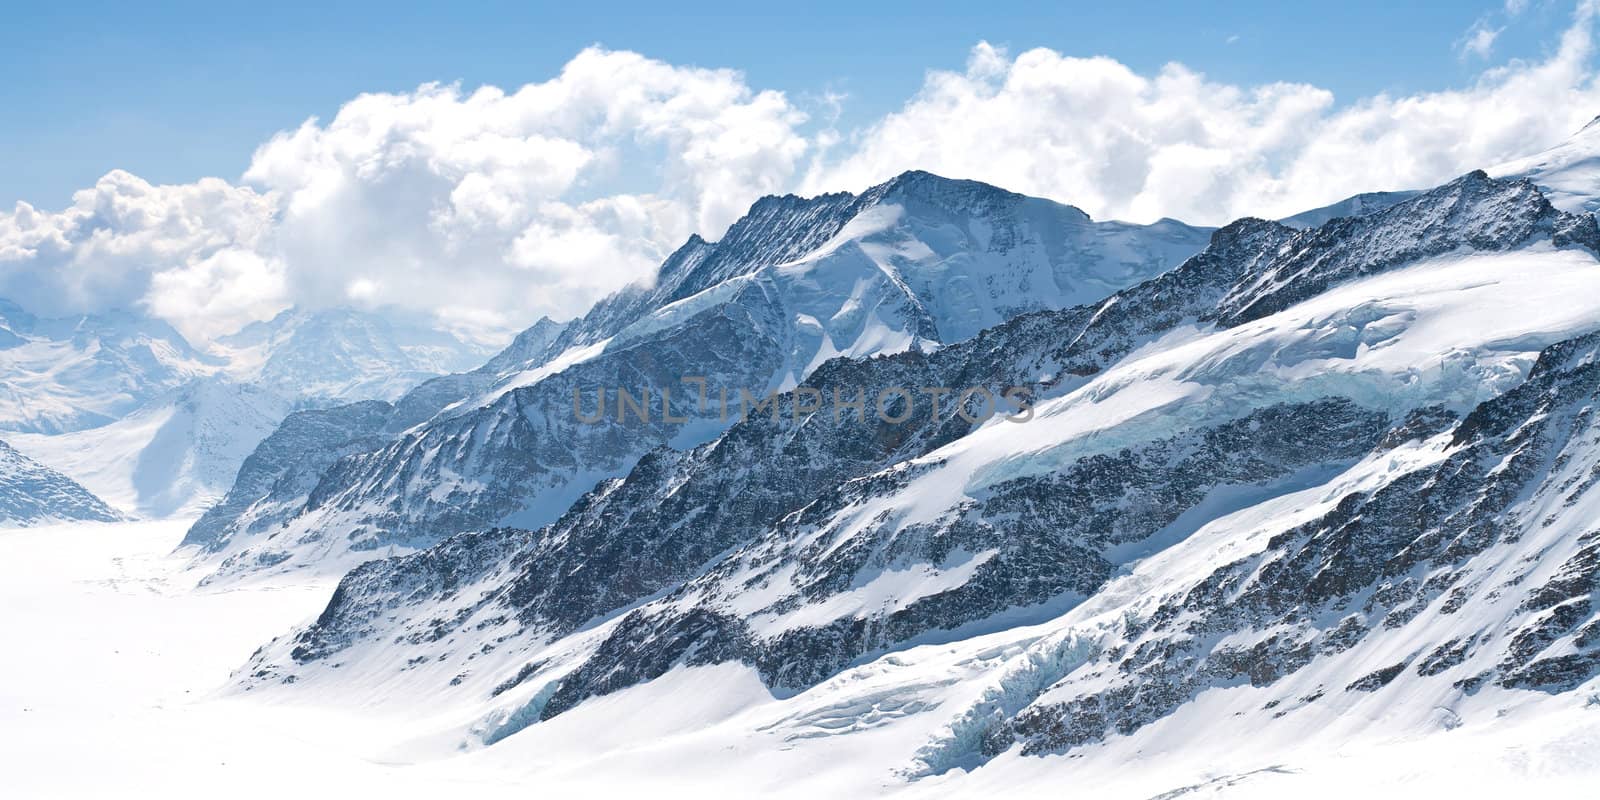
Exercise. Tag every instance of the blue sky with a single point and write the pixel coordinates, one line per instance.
(176, 91)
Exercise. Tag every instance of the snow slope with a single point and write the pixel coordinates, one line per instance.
(174, 456)
(137, 656)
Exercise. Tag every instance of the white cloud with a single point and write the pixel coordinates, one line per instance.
(1092, 132)
(489, 208)
(533, 202)
(220, 292)
(106, 248)
(1478, 41)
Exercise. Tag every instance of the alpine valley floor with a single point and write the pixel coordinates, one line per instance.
(113, 649)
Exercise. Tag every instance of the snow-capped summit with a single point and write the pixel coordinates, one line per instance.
(529, 349)
(991, 252)
(1569, 172)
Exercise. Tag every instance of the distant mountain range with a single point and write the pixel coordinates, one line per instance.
(126, 406)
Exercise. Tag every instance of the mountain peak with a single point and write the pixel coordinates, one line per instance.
(913, 177)
(927, 185)
(531, 347)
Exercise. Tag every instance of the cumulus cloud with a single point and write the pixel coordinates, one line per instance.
(538, 201)
(108, 247)
(1092, 132)
(220, 292)
(489, 208)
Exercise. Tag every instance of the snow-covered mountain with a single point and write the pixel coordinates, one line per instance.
(33, 494)
(1309, 483)
(912, 265)
(70, 374)
(1320, 482)
(322, 358)
(274, 482)
(123, 404)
